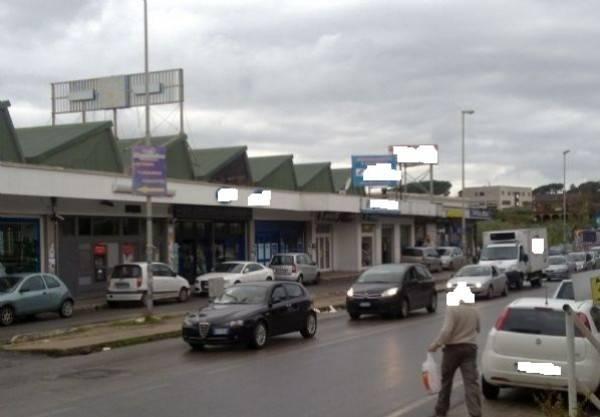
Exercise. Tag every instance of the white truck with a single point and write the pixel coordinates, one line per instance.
(511, 252)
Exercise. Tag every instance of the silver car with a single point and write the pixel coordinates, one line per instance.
(451, 257)
(484, 280)
(295, 266)
(423, 255)
(558, 268)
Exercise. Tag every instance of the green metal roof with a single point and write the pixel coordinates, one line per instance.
(40, 141)
(207, 162)
(314, 177)
(340, 178)
(10, 149)
(262, 166)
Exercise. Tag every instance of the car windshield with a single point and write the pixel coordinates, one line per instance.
(443, 251)
(557, 260)
(243, 294)
(577, 257)
(499, 253)
(474, 271)
(229, 267)
(7, 283)
(382, 275)
(565, 291)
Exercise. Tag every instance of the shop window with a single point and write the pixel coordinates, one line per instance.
(368, 228)
(84, 226)
(367, 251)
(68, 226)
(236, 229)
(131, 227)
(220, 230)
(105, 226)
(19, 245)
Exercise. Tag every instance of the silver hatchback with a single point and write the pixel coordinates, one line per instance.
(295, 267)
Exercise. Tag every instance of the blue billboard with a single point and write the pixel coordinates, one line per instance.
(375, 171)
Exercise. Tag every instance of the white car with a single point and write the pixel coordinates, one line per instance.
(483, 280)
(234, 272)
(527, 347)
(129, 282)
(451, 257)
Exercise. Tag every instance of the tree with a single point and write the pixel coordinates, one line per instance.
(552, 188)
(422, 187)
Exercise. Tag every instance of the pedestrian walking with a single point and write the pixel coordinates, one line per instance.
(458, 336)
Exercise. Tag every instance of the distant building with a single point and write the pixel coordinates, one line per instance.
(500, 196)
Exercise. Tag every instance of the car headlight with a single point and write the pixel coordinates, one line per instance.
(449, 285)
(236, 323)
(189, 320)
(478, 285)
(390, 292)
(350, 292)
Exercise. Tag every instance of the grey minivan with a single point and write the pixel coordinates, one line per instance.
(423, 255)
(295, 266)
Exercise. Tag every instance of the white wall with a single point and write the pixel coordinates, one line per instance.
(346, 246)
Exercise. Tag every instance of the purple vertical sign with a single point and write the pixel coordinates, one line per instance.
(149, 170)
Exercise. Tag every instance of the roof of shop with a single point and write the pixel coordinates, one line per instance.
(125, 145)
(307, 174)
(10, 149)
(39, 141)
(207, 162)
(262, 166)
(340, 178)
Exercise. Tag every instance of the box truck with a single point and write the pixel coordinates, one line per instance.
(512, 252)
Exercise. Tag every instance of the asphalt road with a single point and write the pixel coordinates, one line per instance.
(51, 321)
(365, 368)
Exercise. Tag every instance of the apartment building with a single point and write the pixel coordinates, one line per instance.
(500, 196)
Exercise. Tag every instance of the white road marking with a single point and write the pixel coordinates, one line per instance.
(416, 404)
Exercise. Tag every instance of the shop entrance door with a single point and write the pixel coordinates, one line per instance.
(324, 252)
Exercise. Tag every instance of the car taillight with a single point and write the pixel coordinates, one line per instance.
(582, 317)
(139, 282)
(502, 319)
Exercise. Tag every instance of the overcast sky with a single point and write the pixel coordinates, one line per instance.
(327, 79)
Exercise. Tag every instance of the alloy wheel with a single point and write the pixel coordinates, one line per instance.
(66, 309)
(7, 316)
(260, 335)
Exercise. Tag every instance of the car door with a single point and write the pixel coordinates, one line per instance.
(310, 267)
(259, 272)
(33, 296)
(280, 316)
(410, 288)
(425, 284)
(497, 281)
(163, 281)
(55, 291)
(299, 305)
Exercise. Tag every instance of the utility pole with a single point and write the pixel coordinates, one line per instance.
(464, 205)
(565, 152)
(149, 237)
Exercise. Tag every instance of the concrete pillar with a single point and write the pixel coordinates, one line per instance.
(49, 245)
(377, 246)
(397, 242)
(251, 239)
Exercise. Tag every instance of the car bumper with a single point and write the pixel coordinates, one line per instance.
(372, 305)
(286, 277)
(501, 371)
(124, 296)
(556, 275)
(191, 334)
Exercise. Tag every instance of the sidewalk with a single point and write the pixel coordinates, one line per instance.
(501, 408)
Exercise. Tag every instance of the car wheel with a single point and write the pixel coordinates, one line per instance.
(269, 279)
(236, 282)
(354, 316)
(432, 306)
(7, 316)
(300, 279)
(404, 308)
(259, 336)
(183, 295)
(197, 346)
(66, 309)
(310, 326)
(519, 283)
(490, 392)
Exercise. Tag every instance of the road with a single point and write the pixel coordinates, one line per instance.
(48, 322)
(365, 368)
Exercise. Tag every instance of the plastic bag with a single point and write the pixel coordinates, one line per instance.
(431, 375)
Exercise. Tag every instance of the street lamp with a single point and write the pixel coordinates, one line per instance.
(464, 208)
(565, 152)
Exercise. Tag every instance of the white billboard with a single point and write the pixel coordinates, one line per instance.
(416, 154)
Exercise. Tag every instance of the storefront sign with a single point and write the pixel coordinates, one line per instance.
(416, 154)
(383, 204)
(479, 213)
(375, 170)
(454, 213)
(260, 198)
(149, 170)
(227, 195)
(100, 249)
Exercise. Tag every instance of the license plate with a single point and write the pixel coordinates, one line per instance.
(122, 285)
(539, 368)
(220, 332)
(365, 304)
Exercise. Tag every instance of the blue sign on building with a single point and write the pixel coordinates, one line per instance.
(479, 213)
(149, 170)
(382, 171)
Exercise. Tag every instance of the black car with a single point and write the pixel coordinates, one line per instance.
(392, 290)
(250, 313)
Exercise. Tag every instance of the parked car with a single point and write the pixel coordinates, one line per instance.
(2, 270)
(392, 290)
(581, 259)
(33, 293)
(251, 313)
(129, 282)
(595, 252)
(565, 290)
(532, 331)
(423, 255)
(234, 272)
(295, 267)
(594, 260)
(483, 280)
(558, 267)
(451, 257)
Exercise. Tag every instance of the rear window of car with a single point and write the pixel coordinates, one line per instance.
(127, 271)
(282, 260)
(411, 252)
(566, 291)
(541, 321)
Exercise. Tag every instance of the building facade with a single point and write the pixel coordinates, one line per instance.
(500, 197)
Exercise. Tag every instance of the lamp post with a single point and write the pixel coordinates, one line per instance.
(565, 152)
(464, 208)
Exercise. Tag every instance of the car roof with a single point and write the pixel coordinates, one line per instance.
(289, 253)
(553, 303)
(266, 284)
